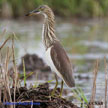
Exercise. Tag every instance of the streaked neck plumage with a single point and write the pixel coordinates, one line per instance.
(48, 33)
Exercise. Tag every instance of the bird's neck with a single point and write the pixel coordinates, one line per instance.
(48, 34)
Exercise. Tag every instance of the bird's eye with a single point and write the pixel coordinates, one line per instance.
(41, 8)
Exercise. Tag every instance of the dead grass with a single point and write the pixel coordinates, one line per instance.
(94, 84)
(92, 102)
(106, 80)
(6, 81)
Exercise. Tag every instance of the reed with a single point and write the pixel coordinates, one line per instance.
(4, 43)
(24, 73)
(106, 80)
(80, 96)
(7, 82)
(92, 99)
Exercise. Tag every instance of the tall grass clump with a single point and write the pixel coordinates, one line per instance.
(6, 80)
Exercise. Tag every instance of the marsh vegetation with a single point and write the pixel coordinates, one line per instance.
(75, 8)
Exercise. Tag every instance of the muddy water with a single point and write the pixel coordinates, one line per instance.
(85, 41)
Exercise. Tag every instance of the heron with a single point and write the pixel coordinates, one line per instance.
(55, 54)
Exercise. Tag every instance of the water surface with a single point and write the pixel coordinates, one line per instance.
(84, 41)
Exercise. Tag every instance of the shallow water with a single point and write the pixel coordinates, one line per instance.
(85, 41)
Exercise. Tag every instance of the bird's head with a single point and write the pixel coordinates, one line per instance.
(43, 9)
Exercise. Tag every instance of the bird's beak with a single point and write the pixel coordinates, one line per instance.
(34, 12)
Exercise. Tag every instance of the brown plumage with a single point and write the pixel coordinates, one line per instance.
(62, 63)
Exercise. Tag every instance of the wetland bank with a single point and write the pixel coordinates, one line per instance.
(85, 42)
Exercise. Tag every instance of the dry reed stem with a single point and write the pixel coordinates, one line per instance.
(106, 79)
(6, 77)
(94, 84)
(15, 80)
(4, 43)
(3, 84)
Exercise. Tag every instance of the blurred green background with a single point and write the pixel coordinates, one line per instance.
(66, 8)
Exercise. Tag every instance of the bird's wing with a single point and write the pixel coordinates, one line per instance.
(62, 63)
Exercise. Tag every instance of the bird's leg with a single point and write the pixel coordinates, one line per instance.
(61, 90)
(53, 92)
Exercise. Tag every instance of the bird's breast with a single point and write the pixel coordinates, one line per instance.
(50, 63)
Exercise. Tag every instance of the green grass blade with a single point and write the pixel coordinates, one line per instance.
(50, 81)
(24, 73)
(83, 96)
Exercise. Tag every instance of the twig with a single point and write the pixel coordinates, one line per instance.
(105, 82)
(15, 80)
(4, 43)
(6, 76)
(94, 84)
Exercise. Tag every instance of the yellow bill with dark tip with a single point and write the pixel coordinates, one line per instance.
(34, 12)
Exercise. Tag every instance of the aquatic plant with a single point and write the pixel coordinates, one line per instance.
(80, 96)
(24, 73)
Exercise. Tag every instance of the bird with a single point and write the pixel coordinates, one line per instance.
(55, 54)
